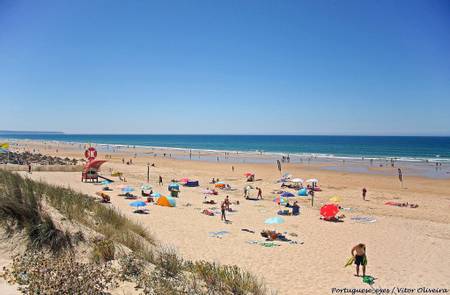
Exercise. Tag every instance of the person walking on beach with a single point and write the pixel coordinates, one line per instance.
(359, 254)
(400, 176)
(29, 168)
(259, 193)
(364, 192)
(160, 181)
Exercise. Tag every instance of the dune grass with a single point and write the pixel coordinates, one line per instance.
(21, 209)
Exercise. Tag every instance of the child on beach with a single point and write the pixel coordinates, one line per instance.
(364, 192)
(359, 253)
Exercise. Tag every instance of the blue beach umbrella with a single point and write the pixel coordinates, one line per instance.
(287, 195)
(274, 220)
(156, 195)
(303, 192)
(138, 204)
(105, 182)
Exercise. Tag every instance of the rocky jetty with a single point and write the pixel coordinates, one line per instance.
(34, 158)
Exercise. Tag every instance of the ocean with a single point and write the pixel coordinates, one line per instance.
(403, 148)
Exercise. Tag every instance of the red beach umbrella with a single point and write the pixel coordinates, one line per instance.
(248, 174)
(329, 211)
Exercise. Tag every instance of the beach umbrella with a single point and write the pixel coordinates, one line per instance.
(248, 187)
(156, 195)
(127, 189)
(280, 200)
(105, 182)
(287, 195)
(303, 192)
(138, 204)
(184, 180)
(297, 180)
(335, 199)
(329, 211)
(247, 174)
(146, 187)
(274, 220)
(174, 185)
(313, 180)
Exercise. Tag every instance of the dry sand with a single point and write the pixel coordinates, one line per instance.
(406, 247)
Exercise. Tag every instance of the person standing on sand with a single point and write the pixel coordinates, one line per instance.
(232, 168)
(227, 202)
(29, 168)
(364, 192)
(259, 193)
(359, 253)
(160, 181)
(223, 208)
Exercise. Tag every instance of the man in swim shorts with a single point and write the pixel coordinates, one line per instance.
(359, 253)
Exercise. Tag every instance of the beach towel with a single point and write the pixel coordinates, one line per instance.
(218, 234)
(269, 244)
(390, 203)
(208, 212)
(363, 219)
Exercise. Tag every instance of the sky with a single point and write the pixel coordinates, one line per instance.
(226, 67)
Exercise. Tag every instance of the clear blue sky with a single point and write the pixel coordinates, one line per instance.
(261, 67)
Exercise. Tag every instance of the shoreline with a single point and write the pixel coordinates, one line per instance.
(270, 154)
(372, 166)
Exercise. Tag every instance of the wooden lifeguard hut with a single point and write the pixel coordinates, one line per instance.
(91, 168)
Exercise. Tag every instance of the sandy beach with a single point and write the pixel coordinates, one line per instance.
(406, 247)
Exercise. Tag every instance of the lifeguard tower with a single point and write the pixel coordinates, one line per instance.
(91, 168)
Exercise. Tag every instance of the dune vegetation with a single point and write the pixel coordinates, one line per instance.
(87, 247)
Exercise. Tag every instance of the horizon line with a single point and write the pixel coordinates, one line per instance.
(10, 132)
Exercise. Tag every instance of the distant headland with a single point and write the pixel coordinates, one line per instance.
(29, 132)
